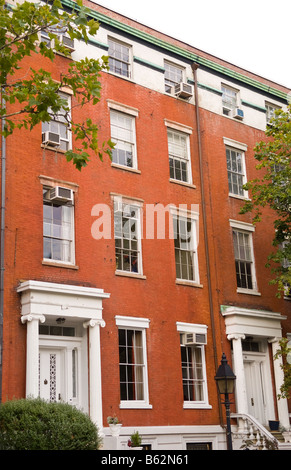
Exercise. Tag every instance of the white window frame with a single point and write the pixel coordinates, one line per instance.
(170, 83)
(229, 104)
(270, 111)
(185, 131)
(59, 32)
(49, 126)
(200, 329)
(239, 147)
(193, 217)
(128, 64)
(71, 262)
(119, 202)
(137, 324)
(130, 113)
(247, 229)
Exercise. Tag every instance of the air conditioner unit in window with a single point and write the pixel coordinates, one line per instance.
(189, 339)
(238, 113)
(51, 138)
(183, 90)
(68, 42)
(59, 194)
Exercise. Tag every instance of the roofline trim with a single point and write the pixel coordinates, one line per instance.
(179, 51)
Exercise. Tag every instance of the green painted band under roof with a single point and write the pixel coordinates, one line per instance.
(149, 64)
(179, 51)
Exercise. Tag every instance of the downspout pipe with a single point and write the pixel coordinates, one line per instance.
(205, 227)
(2, 235)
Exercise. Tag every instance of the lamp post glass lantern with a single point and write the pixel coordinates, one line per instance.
(225, 380)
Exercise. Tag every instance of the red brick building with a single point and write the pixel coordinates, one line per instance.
(134, 322)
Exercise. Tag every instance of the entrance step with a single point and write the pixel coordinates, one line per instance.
(278, 435)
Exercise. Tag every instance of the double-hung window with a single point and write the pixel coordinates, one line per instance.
(123, 135)
(236, 169)
(179, 156)
(192, 343)
(59, 124)
(60, 32)
(127, 235)
(133, 362)
(270, 112)
(185, 242)
(119, 58)
(173, 76)
(229, 99)
(58, 229)
(244, 256)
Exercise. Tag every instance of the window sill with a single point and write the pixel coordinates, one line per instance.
(182, 282)
(54, 149)
(126, 168)
(193, 405)
(128, 79)
(126, 405)
(240, 290)
(233, 118)
(237, 196)
(57, 264)
(176, 97)
(182, 183)
(128, 274)
(64, 55)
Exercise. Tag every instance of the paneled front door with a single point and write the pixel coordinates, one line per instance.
(255, 390)
(51, 377)
(259, 386)
(59, 371)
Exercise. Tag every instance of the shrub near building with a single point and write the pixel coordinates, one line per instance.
(33, 424)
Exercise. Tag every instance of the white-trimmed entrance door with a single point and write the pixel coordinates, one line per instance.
(255, 390)
(258, 386)
(59, 370)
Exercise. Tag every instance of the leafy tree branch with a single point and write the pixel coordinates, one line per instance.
(272, 190)
(284, 352)
(30, 97)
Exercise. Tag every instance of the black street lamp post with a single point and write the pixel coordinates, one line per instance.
(225, 380)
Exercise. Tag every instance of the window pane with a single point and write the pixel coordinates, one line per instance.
(131, 365)
(59, 123)
(127, 244)
(47, 249)
(123, 135)
(119, 58)
(184, 248)
(192, 373)
(57, 232)
(178, 156)
(173, 76)
(243, 259)
(235, 171)
(229, 97)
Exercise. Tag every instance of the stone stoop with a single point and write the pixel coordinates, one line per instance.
(282, 445)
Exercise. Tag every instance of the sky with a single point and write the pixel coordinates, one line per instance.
(252, 34)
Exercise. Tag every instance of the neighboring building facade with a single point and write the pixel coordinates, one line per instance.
(124, 283)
